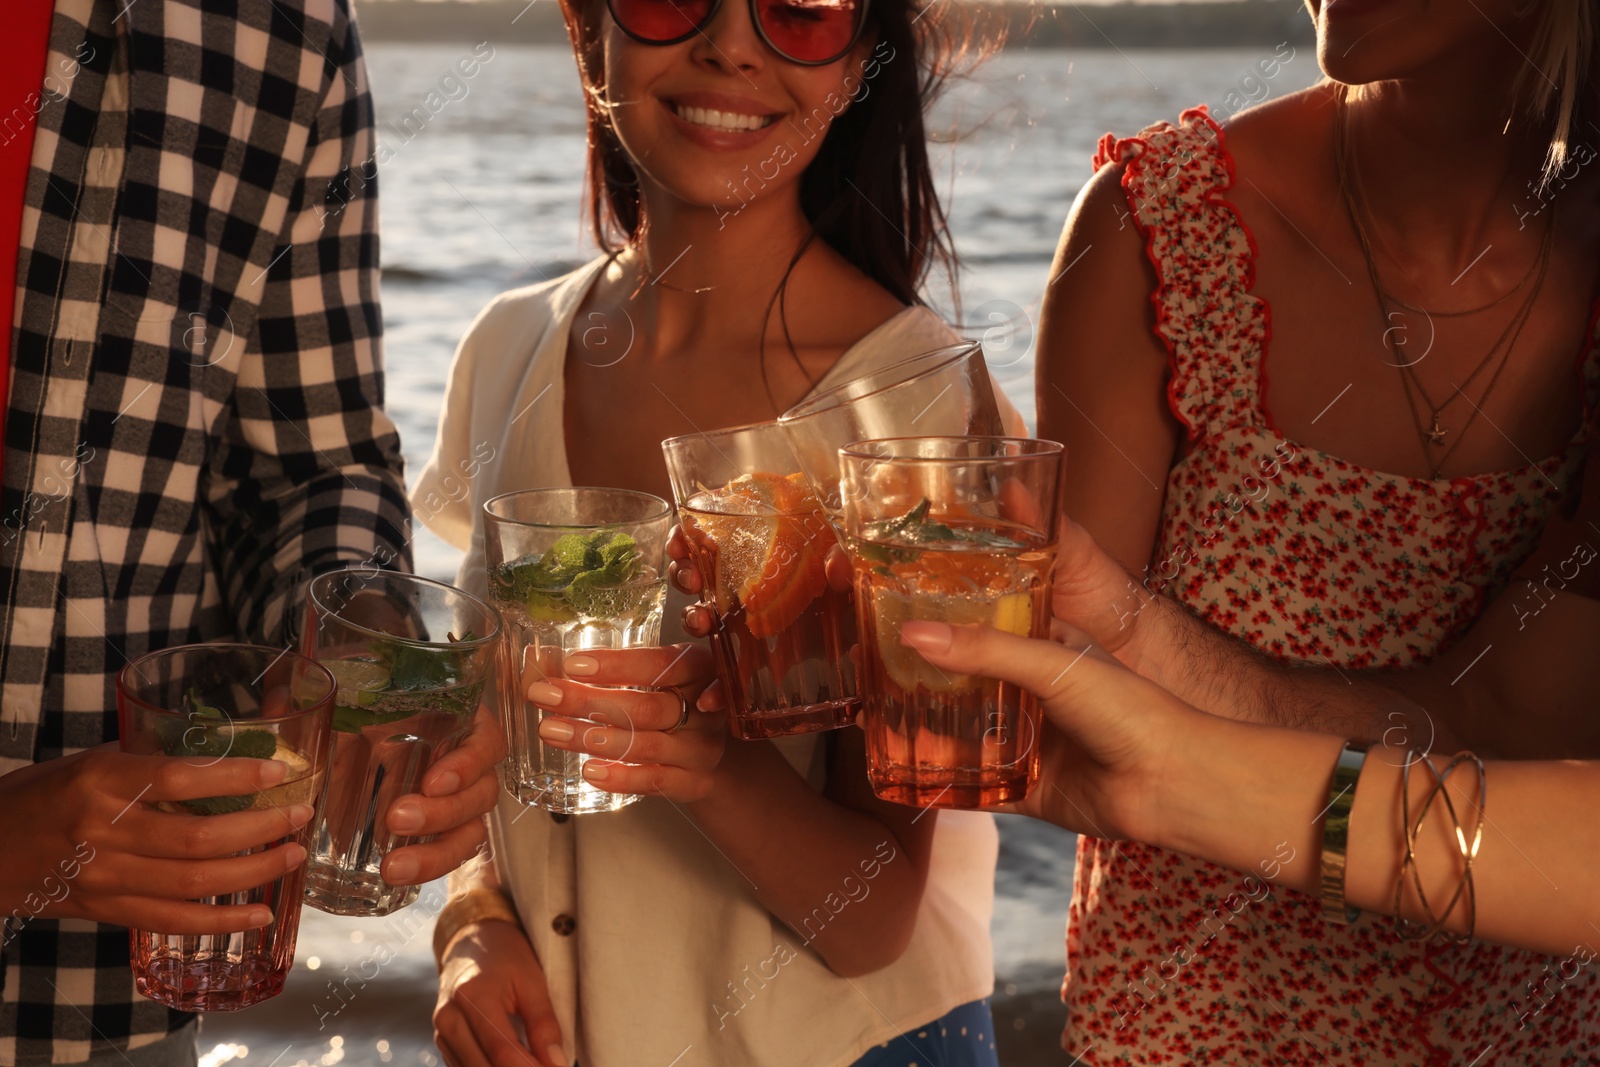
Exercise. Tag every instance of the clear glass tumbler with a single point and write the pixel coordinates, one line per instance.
(411, 657)
(208, 702)
(760, 541)
(943, 392)
(960, 530)
(571, 569)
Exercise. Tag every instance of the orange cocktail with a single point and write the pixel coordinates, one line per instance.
(783, 633)
(959, 530)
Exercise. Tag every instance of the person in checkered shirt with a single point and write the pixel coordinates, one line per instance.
(194, 427)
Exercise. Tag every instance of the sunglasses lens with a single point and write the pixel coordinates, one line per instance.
(810, 31)
(660, 20)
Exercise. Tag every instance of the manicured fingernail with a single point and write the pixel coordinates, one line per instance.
(556, 730)
(544, 694)
(405, 818)
(556, 1056)
(293, 856)
(927, 636)
(300, 814)
(259, 917)
(444, 783)
(272, 771)
(399, 870)
(597, 772)
(580, 665)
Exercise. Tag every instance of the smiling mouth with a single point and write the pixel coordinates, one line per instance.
(732, 121)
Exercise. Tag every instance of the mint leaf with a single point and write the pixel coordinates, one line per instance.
(217, 805)
(574, 577)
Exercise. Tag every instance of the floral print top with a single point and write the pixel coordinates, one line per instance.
(1310, 558)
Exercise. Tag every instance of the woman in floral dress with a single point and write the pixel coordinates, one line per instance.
(1325, 374)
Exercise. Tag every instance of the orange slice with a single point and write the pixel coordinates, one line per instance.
(771, 549)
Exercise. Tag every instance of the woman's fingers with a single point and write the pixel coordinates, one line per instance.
(539, 1021)
(193, 879)
(416, 864)
(1092, 592)
(1050, 671)
(456, 1038)
(650, 780)
(699, 620)
(474, 759)
(177, 917)
(637, 709)
(658, 668)
(418, 815)
(1112, 714)
(681, 570)
(170, 835)
(152, 778)
(697, 747)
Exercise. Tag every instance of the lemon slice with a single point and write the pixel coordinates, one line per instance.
(299, 785)
(357, 679)
(1011, 612)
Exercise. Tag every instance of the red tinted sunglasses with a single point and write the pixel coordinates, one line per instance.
(808, 32)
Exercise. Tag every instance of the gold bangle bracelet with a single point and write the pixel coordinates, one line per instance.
(1336, 832)
(1468, 844)
(475, 905)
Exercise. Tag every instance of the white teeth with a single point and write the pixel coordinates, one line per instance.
(722, 120)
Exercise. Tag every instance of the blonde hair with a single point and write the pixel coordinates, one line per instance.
(1558, 82)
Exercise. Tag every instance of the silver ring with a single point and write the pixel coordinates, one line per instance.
(683, 716)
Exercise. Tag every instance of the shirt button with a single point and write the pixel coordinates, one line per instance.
(564, 924)
(559, 816)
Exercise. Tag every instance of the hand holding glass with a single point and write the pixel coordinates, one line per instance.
(208, 702)
(411, 657)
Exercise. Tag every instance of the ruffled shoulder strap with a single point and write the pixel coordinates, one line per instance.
(1214, 330)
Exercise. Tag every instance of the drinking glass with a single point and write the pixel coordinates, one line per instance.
(411, 657)
(946, 391)
(757, 535)
(571, 570)
(207, 702)
(958, 530)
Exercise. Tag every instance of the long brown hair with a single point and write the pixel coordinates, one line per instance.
(869, 192)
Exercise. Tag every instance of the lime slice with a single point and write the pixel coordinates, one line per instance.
(357, 680)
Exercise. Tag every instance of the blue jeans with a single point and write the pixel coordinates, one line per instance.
(963, 1037)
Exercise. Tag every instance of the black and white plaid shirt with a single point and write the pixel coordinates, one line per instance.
(195, 419)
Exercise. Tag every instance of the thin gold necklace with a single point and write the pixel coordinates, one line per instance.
(1433, 436)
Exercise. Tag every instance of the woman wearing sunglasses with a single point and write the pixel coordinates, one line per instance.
(758, 171)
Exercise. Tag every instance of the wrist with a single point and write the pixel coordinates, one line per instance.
(726, 779)
(468, 910)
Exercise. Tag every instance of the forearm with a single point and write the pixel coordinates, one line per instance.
(845, 883)
(1244, 796)
(1223, 675)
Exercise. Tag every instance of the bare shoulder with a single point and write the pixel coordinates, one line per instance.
(850, 301)
(1282, 144)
